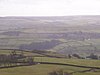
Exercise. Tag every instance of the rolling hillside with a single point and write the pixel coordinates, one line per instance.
(69, 34)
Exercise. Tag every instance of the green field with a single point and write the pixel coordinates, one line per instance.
(44, 69)
(83, 62)
(18, 52)
(36, 70)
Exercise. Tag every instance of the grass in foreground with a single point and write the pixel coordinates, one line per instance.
(43, 70)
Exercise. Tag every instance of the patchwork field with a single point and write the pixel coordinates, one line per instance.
(45, 69)
(52, 40)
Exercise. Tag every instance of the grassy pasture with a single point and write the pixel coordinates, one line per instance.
(44, 69)
(18, 52)
(83, 62)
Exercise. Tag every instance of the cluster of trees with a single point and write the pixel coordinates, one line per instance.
(13, 59)
(75, 56)
(91, 56)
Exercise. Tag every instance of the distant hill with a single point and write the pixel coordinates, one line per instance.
(65, 34)
(40, 45)
(36, 22)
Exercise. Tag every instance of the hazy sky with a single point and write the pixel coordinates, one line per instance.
(49, 7)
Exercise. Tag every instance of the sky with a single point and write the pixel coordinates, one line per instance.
(49, 7)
